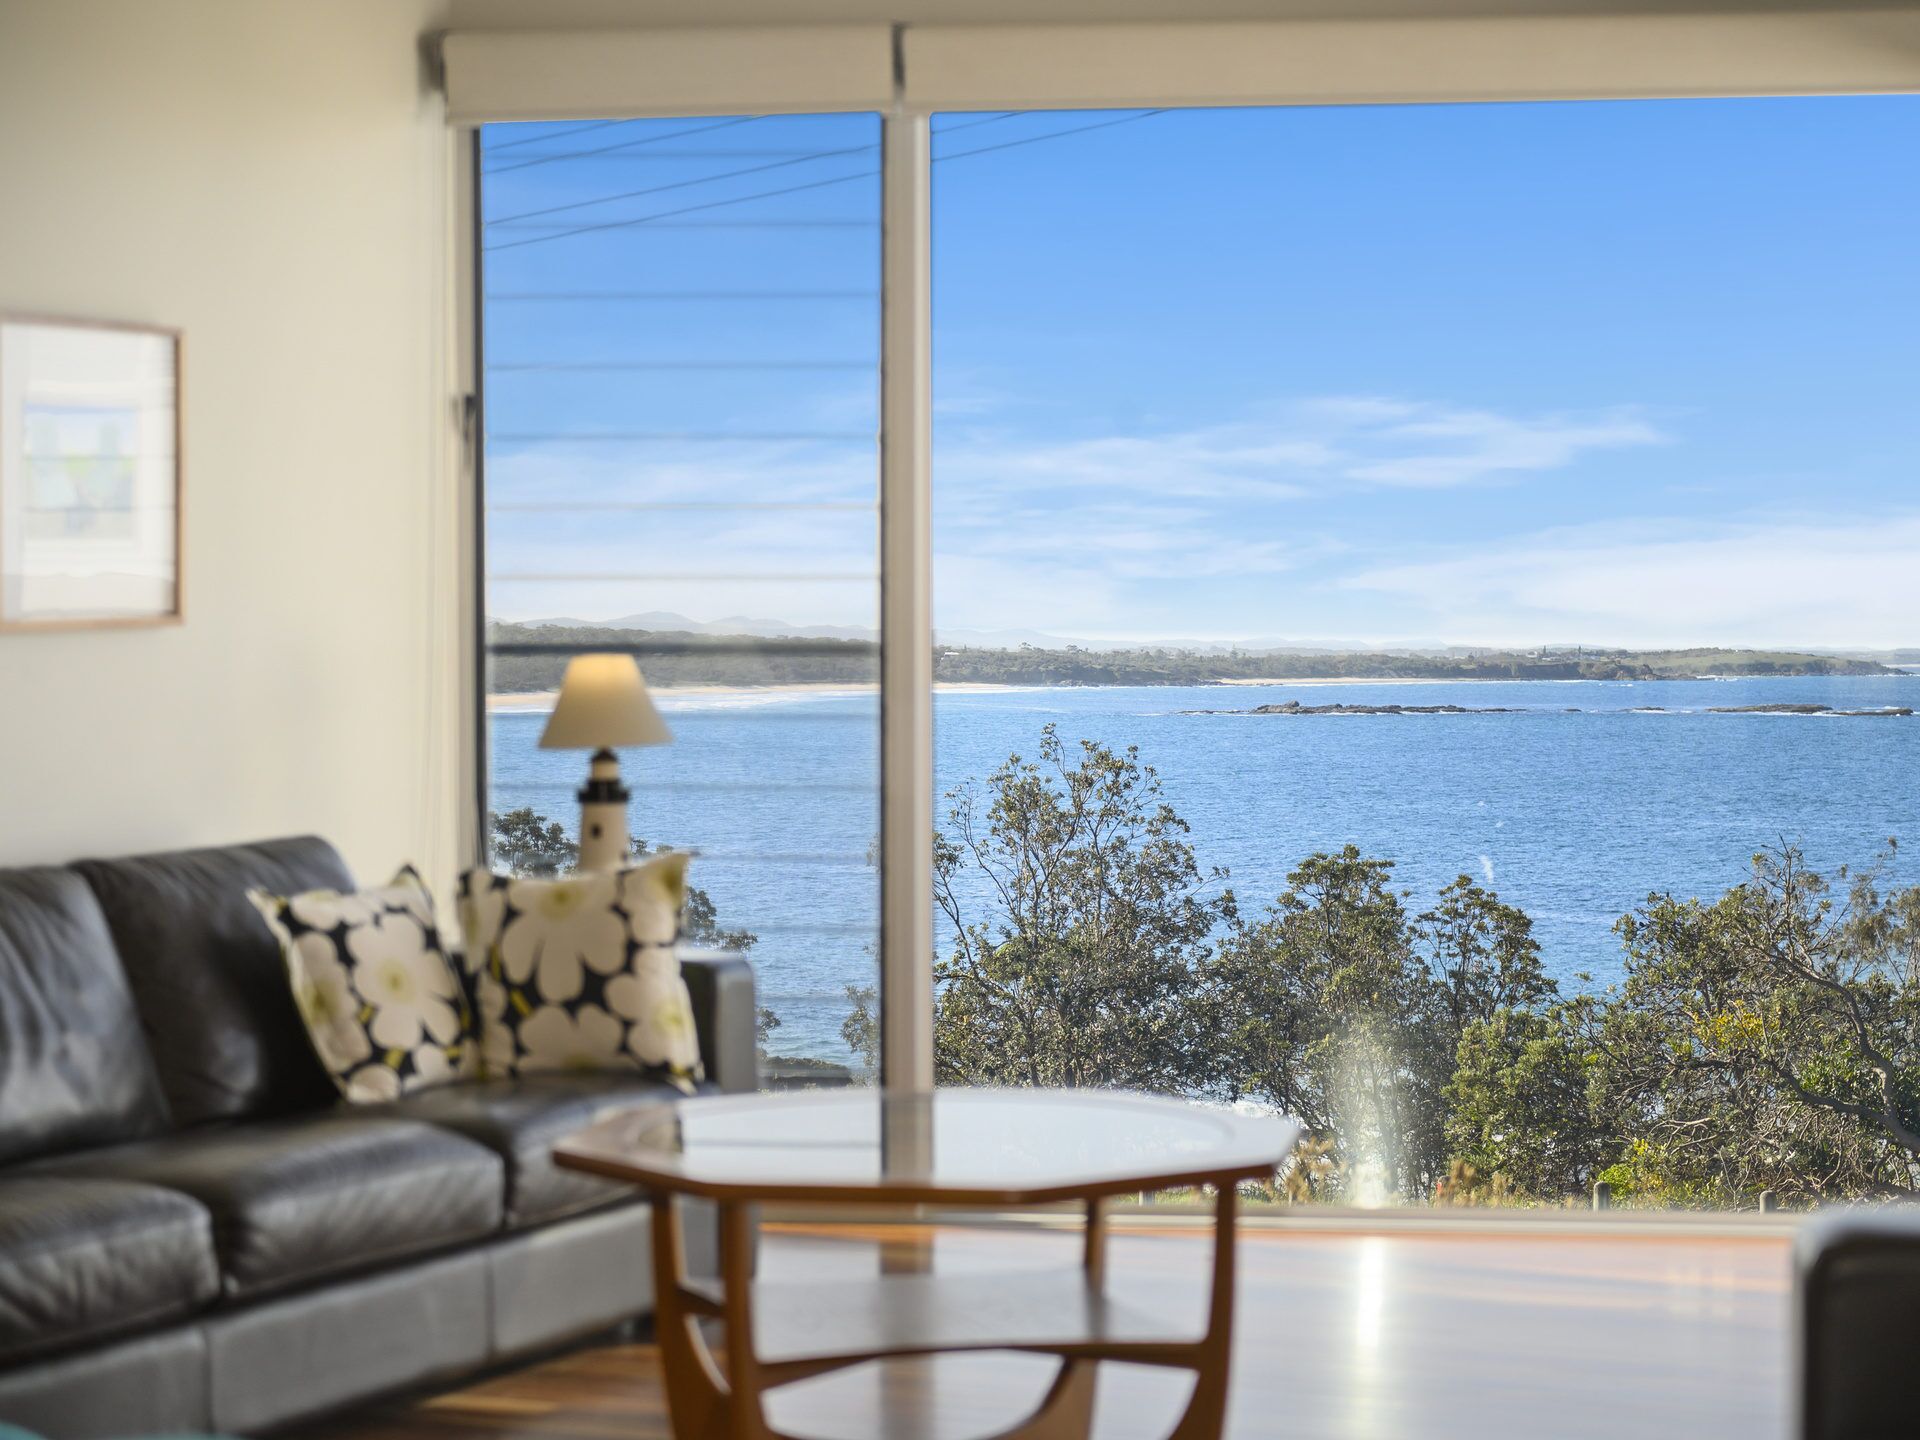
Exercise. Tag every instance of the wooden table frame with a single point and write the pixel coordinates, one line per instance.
(709, 1402)
(827, 1149)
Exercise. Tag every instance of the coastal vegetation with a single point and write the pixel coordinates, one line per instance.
(1766, 1040)
(530, 659)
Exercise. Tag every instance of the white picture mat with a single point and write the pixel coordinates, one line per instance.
(89, 469)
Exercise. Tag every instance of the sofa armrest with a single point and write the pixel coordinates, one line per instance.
(1856, 1312)
(725, 1015)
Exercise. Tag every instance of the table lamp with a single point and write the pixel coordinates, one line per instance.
(603, 703)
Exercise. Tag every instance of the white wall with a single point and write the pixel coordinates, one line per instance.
(272, 177)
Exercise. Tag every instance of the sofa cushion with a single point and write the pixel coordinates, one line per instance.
(380, 999)
(80, 1259)
(305, 1196)
(581, 972)
(74, 1068)
(207, 975)
(521, 1120)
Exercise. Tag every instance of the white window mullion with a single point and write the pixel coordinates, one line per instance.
(906, 608)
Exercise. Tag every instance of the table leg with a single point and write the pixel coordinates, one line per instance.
(696, 1395)
(1206, 1413)
(748, 1417)
(1096, 1243)
(1067, 1409)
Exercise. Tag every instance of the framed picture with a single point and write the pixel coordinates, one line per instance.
(89, 474)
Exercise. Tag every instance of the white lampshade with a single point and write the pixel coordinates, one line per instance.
(603, 705)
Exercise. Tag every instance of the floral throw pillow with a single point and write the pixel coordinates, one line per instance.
(382, 1003)
(580, 973)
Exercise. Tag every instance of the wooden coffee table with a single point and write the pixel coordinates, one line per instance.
(954, 1147)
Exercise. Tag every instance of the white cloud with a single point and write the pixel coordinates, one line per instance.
(1298, 449)
(1119, 540)
(1448, 448)
(1122, 530)
(1779, 581)
(669, 472)
(641, 510)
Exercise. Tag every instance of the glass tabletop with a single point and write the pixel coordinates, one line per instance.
(962, 1145)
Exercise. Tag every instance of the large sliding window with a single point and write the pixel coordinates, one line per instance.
(1423, 594)
(680, 378)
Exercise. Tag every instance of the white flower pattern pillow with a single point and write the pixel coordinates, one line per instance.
(580, 973)
(381, 1001)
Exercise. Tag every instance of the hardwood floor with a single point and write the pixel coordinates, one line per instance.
(1427, 1335)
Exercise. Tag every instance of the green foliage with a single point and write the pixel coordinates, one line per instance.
(861, 1029)
(524, 843)
(1768, 1041)
(1519, 1104)
(1086, 963)
(1343, 1009)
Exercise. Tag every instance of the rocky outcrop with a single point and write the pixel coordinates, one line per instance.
(1886, 710)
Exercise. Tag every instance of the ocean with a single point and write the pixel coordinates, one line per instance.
(1575, 804)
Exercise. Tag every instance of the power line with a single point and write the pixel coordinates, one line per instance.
(611, 366)
(555, 135)
(863, 507)
(674, 437)
(1050, 135)
(604, 296)
(990, 120)
(619, 152)
(623, 152)
(803, 577)
(791, 223)
(685, 184)
(683, 210)
(623, 145)
(812, 184)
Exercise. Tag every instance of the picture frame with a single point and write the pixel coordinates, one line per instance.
(91, 474)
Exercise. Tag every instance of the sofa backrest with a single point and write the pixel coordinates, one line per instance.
(74, 1068)
(208, 977)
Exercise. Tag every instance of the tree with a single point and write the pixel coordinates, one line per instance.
(1340, 1008)
(1479, 961)
(1081, 926)
(1327, 990)
(1770, 1040)
(1519, 1104)
(526, 843)
(1480, 955)
(861, 1029)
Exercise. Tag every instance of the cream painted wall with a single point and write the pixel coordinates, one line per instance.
(272, 177)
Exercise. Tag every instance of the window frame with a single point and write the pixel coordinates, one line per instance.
(1454, 60)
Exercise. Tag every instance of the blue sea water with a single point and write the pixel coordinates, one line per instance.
(1575, 806)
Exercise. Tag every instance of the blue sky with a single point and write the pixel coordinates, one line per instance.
(1634, 373)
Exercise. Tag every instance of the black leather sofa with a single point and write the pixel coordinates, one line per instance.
(196, 1234)
(1857, 1318)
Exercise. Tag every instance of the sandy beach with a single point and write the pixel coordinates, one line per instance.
(542, 700)
(538, 700)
